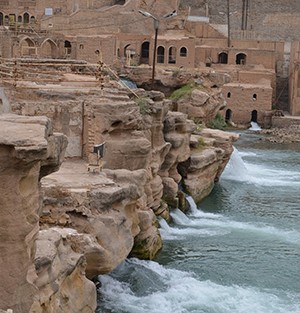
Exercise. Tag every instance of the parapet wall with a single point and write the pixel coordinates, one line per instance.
(285, 121)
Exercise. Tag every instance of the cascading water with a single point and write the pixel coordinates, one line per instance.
(254, 126)
(238, 252)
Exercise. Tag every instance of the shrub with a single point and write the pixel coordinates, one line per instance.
(201, 143)
(179, 93)
(218, 122)
(143, 105)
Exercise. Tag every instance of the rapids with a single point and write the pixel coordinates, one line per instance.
(238, 251)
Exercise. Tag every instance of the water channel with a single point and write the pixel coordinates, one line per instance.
(237, 252)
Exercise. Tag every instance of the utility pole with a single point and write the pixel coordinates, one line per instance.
(245, 10)
(228, 24)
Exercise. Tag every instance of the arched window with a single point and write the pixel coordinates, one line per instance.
(1, 19)
(228, 94)
(68, 47)
(161, 54)
(145, 53)
(6, 20)
(183, 52)
(223, 58)
(26, 18)
(20, 19)
(254, 97)
(240, 58)
(32, 19)
(12, 19)
(172, 55)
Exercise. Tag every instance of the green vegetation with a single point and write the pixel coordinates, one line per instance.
(218, 122)
(143, 105)
(184, 90)
(199, 125)
(201, 143)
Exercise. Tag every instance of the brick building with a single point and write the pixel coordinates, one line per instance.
(116, 31)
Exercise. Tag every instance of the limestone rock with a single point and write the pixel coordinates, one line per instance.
(102, 211)
(148, 242)
(202, 105)
(177, 131)
(207, 161)
(26, 144)
(62, 284)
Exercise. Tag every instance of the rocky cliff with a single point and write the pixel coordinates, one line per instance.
(92, 220)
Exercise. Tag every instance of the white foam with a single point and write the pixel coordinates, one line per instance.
(219, 225)
(196, 212)
(259, 174)
(176, 233)
(254, 126)
(182, 292)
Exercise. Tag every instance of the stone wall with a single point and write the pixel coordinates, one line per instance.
(266, 19)
(243, 99)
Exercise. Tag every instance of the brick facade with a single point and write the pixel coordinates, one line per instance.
(117, 33)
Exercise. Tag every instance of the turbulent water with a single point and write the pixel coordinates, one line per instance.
(237, 252)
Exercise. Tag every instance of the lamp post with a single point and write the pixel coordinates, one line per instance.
(156, 27)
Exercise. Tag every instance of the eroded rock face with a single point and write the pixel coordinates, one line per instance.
(210, 152)
(62, 284)
(103, 212)
(202, 104)
(177, 131)
(27, 144)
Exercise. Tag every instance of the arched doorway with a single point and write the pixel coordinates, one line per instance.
(161, 55)
(228, 115)
(240, 58)
(130, 55)
(27, 47)
(223, 58)
(254, 116)
(48, 49)
(172, 55)
(145, 53)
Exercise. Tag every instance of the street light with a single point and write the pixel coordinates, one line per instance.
(228, 13)
(156, 26)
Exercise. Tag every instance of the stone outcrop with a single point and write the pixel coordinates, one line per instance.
(28, 150)
(91, 221)
(62, 284)
(202, 105)
(103, 212)
(210, 152)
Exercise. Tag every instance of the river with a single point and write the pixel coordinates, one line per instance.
(237, 252)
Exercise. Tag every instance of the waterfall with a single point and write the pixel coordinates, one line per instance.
(254, 126)
(192, 204)
(236, 168)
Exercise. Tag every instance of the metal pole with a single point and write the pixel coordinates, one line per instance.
(156, 26)
(228, 23)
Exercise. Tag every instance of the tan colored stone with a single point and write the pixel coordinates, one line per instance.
(26, 143)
